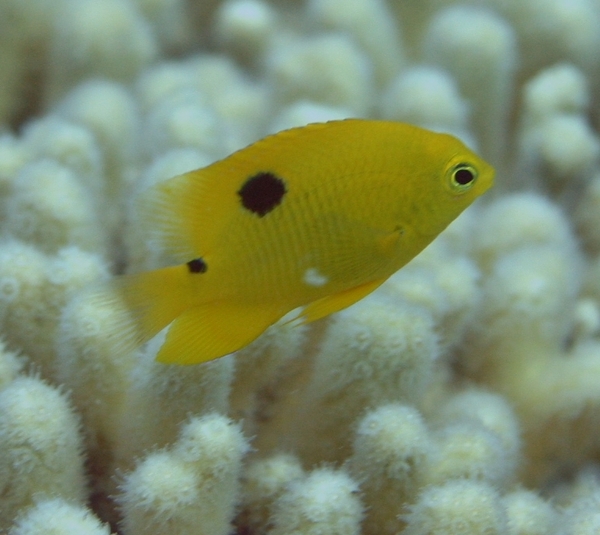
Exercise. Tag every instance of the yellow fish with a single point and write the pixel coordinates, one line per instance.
(314, 217)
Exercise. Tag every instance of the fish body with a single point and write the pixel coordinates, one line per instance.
(314, 217)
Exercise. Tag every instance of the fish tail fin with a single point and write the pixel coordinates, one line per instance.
(153, 299)
(148, 302)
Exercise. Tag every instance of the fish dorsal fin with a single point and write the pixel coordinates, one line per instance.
(185, 214)
(188, 214)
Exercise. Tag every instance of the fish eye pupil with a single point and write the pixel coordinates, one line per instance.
(463, 176)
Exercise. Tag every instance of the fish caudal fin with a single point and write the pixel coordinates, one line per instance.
(153, 298)
(213, 330)
(197, 332)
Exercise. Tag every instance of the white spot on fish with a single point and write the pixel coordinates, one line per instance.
(312, 277)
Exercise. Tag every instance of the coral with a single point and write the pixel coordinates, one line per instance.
(170, 22)
(11, 364)
(529, 514)
(49, 206)
(426, 96)
(459, 506)
(245, 27)
(482, 59)
(489, 410)
(41, 447)
(107, 39)
(305, 111)
(461, 397)
(53, 516)
(372, 354)
(192, 487)
(264, 480)
(163, 396)
(329, 68)
(553, 30)
(467, 450)
(390, 454)
(108, 112)
(183, 120)
(323, 503)
(371, 24)
(33, 289)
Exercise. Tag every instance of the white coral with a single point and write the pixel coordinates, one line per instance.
(471, 374)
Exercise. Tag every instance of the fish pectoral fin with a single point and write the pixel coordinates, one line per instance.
(206, 332)
(336, 302)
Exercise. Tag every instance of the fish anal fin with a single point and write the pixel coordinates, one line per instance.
(334, 303)
(210, 331)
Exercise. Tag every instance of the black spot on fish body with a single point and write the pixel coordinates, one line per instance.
(261, 193)
(197, 265)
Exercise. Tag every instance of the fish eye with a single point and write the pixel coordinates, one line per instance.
(462, 177)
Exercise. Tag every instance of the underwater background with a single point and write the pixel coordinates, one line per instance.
(462, 397)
